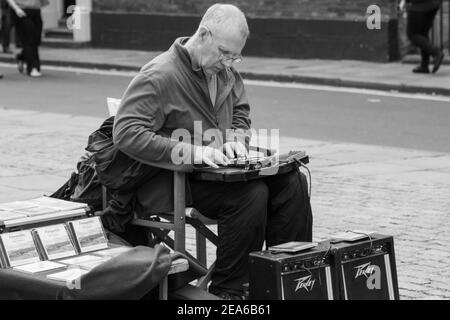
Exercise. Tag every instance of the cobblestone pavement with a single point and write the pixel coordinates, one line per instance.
(404, 193)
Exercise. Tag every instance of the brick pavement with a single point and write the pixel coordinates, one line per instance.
(399, 192)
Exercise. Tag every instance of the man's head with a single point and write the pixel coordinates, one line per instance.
(220, 37)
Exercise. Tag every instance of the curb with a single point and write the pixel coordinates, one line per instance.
(335, 82)
(78, 64)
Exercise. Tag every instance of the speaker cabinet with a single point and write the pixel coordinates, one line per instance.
(293, 276)
(366, 269)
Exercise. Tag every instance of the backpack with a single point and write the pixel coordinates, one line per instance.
(83, 185)
(105, 165)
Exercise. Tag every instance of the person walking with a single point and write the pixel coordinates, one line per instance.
(28, 21)
(1, 22)
(421, 14)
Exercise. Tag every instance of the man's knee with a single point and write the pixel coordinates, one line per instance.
(258, 192)
(253, 200)
(294, 182)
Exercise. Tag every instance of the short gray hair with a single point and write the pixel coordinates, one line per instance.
(225, 16)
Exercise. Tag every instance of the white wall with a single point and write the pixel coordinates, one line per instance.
(83, 32)
(52, 13)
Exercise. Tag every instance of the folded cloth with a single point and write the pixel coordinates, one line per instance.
(130, 275)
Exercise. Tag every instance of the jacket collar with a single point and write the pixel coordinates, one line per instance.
(225, 78)
(225, 75)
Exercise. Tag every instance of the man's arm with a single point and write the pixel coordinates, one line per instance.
(241, 109)
(240, 129)
(19, 12)
(139, 118)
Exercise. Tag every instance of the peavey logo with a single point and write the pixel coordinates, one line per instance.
(372, 274)
(306, 283)
(364, 270)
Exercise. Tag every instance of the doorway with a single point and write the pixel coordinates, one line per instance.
(66, 5)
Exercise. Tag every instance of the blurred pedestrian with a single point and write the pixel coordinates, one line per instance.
(1, 12)
(421, 14)
(6, 25)
(28, 21)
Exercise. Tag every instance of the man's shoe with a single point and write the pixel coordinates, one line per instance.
(35, 73)
(1, 76)
(421, 69)
(7, 50)
(437, 61)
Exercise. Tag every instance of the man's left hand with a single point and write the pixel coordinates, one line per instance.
(235, 148)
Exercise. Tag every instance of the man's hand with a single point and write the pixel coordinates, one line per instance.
(235, 147)
(402, 5)
(20, 13)
(210, 156)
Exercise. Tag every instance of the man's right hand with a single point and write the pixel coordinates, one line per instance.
(210, 156)
(20, 13)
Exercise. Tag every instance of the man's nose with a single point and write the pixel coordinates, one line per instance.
(227, 63)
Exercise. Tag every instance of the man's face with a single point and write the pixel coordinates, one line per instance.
(220, 49)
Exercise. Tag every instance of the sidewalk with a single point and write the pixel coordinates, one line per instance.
(399, 192)
(358, 74)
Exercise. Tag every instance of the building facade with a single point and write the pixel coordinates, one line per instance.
(320, 29)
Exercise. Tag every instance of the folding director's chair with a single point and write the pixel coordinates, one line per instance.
(160, 225)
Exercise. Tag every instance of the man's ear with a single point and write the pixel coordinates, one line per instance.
(203, 33)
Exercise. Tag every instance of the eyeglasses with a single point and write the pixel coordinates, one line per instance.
(226, 58)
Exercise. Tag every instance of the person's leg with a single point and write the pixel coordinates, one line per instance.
(6, 29)
(414, 30)
(18, 43)
(290, 215)
(20, 26)
(241, 211)
(418, 28)
(433, 51)
(38, 37)
(425, 58)
(34, 30)
(428, 21)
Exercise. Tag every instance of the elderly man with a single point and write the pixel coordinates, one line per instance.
(195, 81)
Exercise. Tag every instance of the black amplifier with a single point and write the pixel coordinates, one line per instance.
(366, 268)
(293, 276)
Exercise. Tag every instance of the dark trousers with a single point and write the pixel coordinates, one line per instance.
(275, 209)
(29, 29)
(6, 27)
(418, 27)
